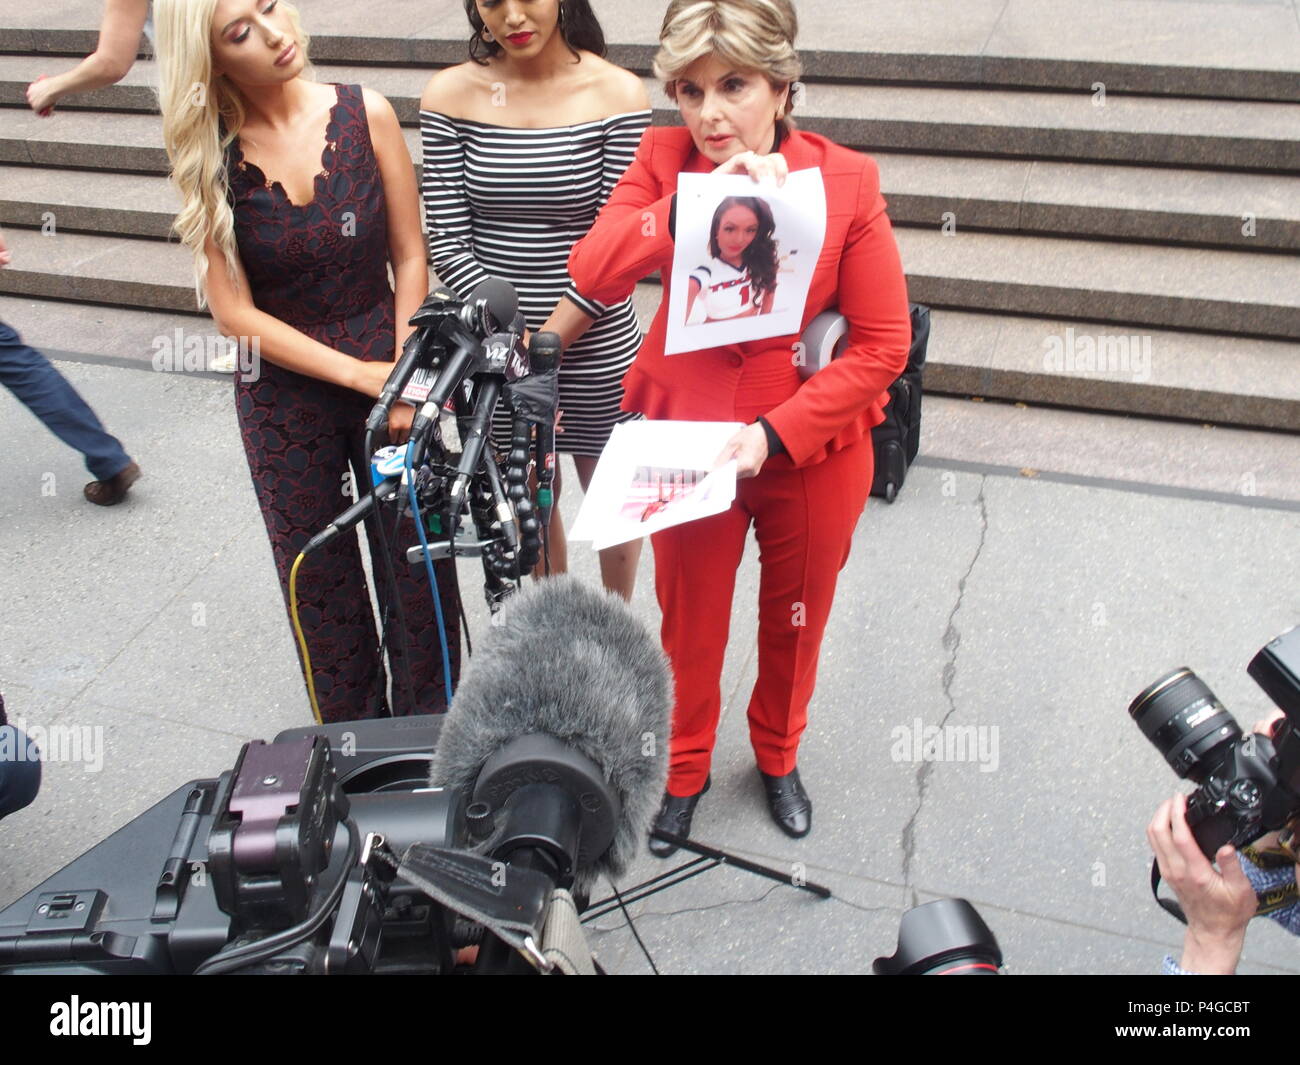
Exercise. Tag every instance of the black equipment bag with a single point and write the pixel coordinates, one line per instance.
(898, 438)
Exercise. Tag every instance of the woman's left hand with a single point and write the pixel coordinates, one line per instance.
(748, 447)
(757, 166)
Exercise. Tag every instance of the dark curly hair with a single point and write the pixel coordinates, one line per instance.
(760, 257)
(578, 27)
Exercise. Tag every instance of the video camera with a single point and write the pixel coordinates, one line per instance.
(329, 850)
(325, 851)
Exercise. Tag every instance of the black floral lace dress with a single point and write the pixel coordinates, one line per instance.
(322, 268)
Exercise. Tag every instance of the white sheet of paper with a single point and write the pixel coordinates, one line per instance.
(653, 475)
(725, 309)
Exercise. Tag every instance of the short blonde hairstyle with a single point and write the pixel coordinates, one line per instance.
(748, 34)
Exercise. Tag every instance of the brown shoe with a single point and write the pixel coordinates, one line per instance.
(111, 492)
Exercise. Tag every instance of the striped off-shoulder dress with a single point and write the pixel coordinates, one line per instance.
(510, 203)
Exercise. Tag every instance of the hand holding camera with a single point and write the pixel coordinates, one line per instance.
(1219, 903)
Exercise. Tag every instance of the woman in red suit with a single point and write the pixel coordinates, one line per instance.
(805, 455)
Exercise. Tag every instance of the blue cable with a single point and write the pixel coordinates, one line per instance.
(433, 583)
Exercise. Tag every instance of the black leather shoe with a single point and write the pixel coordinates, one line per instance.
(791, 808)
(674, 816)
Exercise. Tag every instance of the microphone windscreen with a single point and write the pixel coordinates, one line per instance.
(576, 664)
(544, 351)
(502, 302)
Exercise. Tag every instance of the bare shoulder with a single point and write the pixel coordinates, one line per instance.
(446, 90)
(378, 110)
(620, 89)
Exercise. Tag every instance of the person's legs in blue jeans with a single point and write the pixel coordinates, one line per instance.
(47, 394)
(20, 767)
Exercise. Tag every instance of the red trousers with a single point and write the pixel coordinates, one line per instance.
(803, 521)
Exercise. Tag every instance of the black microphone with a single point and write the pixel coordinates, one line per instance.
(462, 353)
(472, 441)
(571, 689)
(492, 305)
(383, 492)
(544, 351)
(414, 354)
(491, 301)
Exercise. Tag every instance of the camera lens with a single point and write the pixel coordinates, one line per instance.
(1186, 722)
(942, 938)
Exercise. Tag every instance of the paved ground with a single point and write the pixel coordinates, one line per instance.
(1032, 604)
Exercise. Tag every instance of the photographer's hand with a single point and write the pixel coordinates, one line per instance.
(1219, 903)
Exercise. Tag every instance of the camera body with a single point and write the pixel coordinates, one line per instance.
(1229, 806)
(1249, 784)
(226, 860)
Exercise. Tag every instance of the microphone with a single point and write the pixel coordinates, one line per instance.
(544, 351)
(570, 689)
(460, 358)
(413, 355)
(491, 301)
(472, 442)
(491, 306)
(383, 492)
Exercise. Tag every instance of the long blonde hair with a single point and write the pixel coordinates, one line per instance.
(202, 115)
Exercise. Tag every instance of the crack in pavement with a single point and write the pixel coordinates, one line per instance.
(951, 643)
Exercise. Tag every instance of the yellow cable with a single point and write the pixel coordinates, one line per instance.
(302, 642)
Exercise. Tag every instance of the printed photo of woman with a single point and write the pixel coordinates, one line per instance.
(739, 280)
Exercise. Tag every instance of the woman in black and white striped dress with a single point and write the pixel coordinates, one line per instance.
(522, 146)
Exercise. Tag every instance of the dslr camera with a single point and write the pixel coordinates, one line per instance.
(1248, 784)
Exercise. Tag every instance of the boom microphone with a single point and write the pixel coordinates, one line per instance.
(569, 687)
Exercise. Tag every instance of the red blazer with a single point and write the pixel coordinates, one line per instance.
(859, 271)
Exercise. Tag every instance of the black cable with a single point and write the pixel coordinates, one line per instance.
(395, 592)
(464, 621)
(271, 945)
(632, 926)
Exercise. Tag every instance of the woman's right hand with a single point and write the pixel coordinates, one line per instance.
(757, 166)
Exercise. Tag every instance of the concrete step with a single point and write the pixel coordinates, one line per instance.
(1154, 287)
(1077, 127)
(1253, 212)
(82, 201)
(1091, 201)
(1191, 376)
(1216, 49)
(1196, 289)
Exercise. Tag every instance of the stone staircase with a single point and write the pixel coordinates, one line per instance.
(1116, 235)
